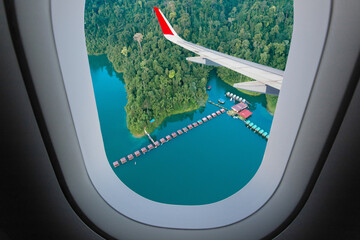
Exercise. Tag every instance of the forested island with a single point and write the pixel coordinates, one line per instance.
(159, 80)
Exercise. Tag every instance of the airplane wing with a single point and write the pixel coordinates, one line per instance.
(268, 80)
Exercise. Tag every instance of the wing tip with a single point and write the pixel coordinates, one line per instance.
(164, 24)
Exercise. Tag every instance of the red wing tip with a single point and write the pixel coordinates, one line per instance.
(164, 26)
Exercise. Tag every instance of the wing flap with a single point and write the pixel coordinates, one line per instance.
(256, 86)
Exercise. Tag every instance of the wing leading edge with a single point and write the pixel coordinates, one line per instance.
(267, 80)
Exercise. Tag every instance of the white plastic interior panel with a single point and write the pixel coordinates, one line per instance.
(61, 75)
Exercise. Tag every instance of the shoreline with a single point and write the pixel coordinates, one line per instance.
(160, 122)
(138, 135)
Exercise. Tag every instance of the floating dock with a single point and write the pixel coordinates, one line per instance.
(173, 135)
(237, 98)
(257, 129)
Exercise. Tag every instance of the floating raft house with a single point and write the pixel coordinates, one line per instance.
(204, 119)
(137, 153)
(123, 160)
(168, 138)
(174, 135)
(195, 125)
(116, 164)
(163, 140)
(209, 117)
(179, 132)
(190, 127)
(150, 147)
(213, 115)
(245, 113)
(157, 144)
(218, 112)
(185, 130)
(143, 150)
(240, 106)
(222, 110)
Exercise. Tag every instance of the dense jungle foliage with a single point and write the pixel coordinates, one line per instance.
(159, 80)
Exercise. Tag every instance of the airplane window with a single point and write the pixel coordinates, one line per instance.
(204, 164)
(186, 91)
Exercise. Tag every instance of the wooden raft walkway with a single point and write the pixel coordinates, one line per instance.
(173, 135)
(218, 105)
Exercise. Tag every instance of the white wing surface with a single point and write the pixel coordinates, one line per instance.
(267, 80)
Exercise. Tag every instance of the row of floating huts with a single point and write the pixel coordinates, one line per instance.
(256, 129)
(237, 98)
(168, 138)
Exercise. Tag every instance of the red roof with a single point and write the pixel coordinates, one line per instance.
(185, 129)
(130, 157)
(116, 164)
(222, 110)
(179, 132)
(157, 143)
(213, 114)
(150, 146)
(195, 124)
(144, 150)
(190, 127)
(137, 153)
(168, 137)
(245, 113)
(209, 117)
(163, 140)
(204, 120)
(174, 135)
(218, 112)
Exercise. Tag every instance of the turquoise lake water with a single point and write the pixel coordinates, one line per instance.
(205, 165)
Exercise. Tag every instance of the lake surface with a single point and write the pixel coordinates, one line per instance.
(205, 165)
